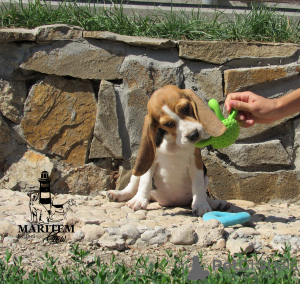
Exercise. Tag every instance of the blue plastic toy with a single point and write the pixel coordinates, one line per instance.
(227, 218)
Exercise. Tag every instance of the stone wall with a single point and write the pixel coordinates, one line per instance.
(72, 102)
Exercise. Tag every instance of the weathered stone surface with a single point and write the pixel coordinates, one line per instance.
(12, 147)
(296, 125)
(204, 79)
(24, 174)
(78, 236)
(219, 52)
(265, 129)
(131, 40)
(142, 75)
(5, 133)
(236, 246)
(8, 229)
(12, 35)
(59, 117)
(112, 242)
(242, 78)
(209, 232)
(279, 242)
(11, 56)
(12, 98)
(84, 59)
(86, 180)
(129, 233)
(183, 235)
(153, 71)
(92, 232)
(58, 32)
(106, 142)
(227, 183)
(258, 154)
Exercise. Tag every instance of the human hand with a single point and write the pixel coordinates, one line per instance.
(252, 108)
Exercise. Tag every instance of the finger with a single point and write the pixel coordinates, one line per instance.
(240, 105)
(246, 124)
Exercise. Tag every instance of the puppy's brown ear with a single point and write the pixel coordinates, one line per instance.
(146, 153)
(210, 122)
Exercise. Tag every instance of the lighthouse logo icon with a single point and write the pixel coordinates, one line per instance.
(41, 205)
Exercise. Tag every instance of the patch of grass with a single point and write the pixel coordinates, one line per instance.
(258, 24)
(172, 269)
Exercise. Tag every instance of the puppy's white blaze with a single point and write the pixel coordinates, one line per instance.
(183, 127)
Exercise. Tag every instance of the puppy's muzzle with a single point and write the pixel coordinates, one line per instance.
(194, 136)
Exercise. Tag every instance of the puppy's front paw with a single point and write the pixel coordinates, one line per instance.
(137, 203)
(113, 195)
(200, 208)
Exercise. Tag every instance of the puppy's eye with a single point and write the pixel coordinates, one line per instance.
(169, 124)
(186, 110)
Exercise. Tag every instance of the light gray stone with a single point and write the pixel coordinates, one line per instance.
(27, 170)
(106, 142)
(112, 242)
(244, 78)
(84, 59)
(129, 231)
(92, 232)
(12, 98)
(209, 232)
(78, 236)
(58, 32)
(159, 239)
(7, 229)
(235, 246)
(13, 35)
(146, 236)
(205, 80)
(220, 52)
(88, 179)
(221, 244)
(131, 40)
(142, 75)
(184, 235)
(251, 185)
(245, 232)
(257, 154)
(279, 242)
(8, 240)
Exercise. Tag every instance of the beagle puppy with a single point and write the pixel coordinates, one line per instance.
(169, 168)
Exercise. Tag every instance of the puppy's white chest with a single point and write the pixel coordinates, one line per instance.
(172, 184)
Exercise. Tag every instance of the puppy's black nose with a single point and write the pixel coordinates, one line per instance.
(194, 136)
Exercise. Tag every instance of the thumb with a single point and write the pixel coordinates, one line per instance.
(239, 105)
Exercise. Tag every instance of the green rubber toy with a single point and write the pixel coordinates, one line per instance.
(229, 136)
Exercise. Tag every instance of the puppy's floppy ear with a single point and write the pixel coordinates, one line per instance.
(146, 153)
(210, 122)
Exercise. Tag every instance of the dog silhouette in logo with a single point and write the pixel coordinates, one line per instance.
(61, 209)
(38, 212)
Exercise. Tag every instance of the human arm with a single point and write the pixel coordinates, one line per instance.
(256, 109)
